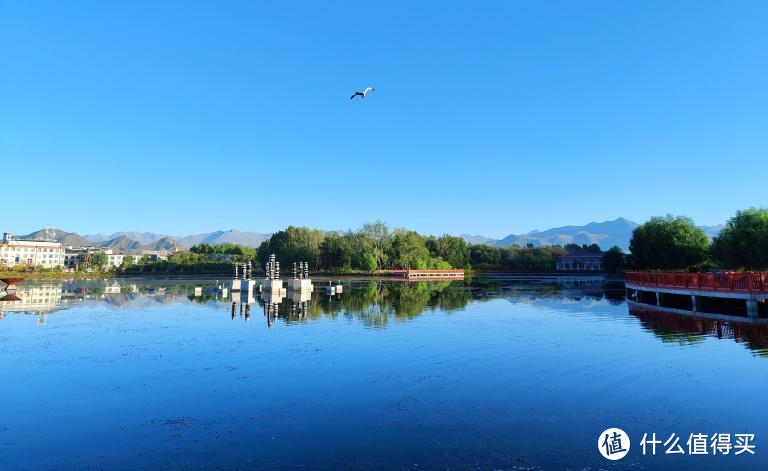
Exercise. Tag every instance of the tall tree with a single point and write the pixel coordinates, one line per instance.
(409, 251)
(294, 244)
(453, 250)
(743, 243)
(669, 242)
(98, 259)
(613, 260)
(381, 241)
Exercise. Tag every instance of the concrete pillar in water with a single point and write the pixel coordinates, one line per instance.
(658, 298)
(694, 303)
(752, 308)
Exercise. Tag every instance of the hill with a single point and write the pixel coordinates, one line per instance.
(166, 243)
(249, 239)
(63, 237)
(140, 237)
(122, 244)
(477, 239)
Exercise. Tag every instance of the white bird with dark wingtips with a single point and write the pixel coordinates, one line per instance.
(363, 93)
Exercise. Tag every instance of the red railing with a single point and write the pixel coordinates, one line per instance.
(743, 282)
(424, 273)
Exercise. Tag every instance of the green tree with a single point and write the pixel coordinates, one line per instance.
(215, 252)
(484, 256)
(336, 252)
(381, 241)
(453, 250)
(669, 243)
(613, 260)
(127, 262)
(743, 242)
(294, 244)
(409, 251)
(98, 260)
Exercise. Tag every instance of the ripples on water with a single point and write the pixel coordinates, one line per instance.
(495, 372)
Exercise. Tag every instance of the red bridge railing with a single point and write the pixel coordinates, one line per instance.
(743, 282)
(425, 273)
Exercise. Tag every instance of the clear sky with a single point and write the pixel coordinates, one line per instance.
(488, 117)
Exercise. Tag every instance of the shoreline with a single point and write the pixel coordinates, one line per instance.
(32, 276)
(41, 276)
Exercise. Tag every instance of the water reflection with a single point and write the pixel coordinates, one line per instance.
(48, 297)
(691, 330)
(377, 303)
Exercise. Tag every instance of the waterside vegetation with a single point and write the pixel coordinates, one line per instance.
(676, 243)
(662, 243)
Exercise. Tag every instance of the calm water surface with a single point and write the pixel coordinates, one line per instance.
(493, 373)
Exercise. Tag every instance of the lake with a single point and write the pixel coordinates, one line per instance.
(494, 372)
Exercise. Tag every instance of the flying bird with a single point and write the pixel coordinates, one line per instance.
(363, 93)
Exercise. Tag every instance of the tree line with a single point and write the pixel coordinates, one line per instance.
(375, 247)
(371, 248)
(676, 243)
(666, 242)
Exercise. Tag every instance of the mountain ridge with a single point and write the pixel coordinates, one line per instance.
(605, 234)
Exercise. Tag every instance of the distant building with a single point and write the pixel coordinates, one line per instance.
(46, 253)
(580, 262)
(116, 259)
(75, 257)
(155, 255)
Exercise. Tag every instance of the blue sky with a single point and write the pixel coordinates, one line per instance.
(488, 117)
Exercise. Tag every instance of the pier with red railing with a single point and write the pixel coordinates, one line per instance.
(720, 294)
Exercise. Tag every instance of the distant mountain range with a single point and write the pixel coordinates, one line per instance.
(477, 239)
(140, 237)
(138, 241)
(249, 239)
(605, 234)
(65, 238)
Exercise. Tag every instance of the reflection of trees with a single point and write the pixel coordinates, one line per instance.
(687, 330)
(376, 302)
